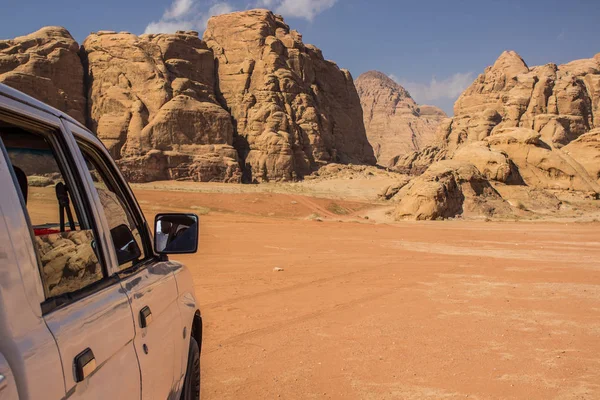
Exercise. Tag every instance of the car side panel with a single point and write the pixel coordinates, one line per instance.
(187, 307)
(103, 323)
(153, 286)
(157, 345)
(26, 343)
(8, 387)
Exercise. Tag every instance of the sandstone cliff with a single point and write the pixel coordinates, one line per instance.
(152, 101)
(395, 124)
(46, 65)
(293, 110)
(534, 127)
(256, 104)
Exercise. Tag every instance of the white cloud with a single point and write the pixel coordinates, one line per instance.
(178, 9)
(187, 15)
(194, 14)
(307, 9)
(449, 88)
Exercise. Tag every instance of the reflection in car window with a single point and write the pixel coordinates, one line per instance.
(124, 231)
(66, 249)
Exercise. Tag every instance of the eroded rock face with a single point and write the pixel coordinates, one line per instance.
(45, 65)
(540, 165)
(516, 125)
(586, 149)
(152, 102)
(493, 164)
(447, 189)
(395, 124)
(267, 106)
(294, 111)
(559, 101)
(417, 162)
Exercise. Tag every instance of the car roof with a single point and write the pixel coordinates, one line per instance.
(21, 97)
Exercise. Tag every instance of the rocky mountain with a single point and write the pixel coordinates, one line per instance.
(293, 110)
(395, 124)
(46, 65)
(152, 101)
(518, 126)
(250, 102)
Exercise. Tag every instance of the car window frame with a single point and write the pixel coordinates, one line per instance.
(57, 136)
(104, 161)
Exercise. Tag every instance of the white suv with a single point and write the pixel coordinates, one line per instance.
(90, 305)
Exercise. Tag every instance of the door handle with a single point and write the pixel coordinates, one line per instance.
(145, 317)
(85, 364)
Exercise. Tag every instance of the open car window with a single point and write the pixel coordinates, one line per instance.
(126, 230)
(65, 244)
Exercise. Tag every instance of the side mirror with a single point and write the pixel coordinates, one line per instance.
(176, 233)
(125, 244)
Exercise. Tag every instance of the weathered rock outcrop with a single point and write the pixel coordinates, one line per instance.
(417, 162)
(293, 110)
(152, 102)
(561, 102)
(523, 126)
(586, 149)
(538, 164)
(447, 189)
(256, 101)
(395, 124)
(45, 64)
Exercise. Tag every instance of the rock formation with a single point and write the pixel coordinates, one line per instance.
(395, 124)
(46, 65)
(446, 189)
(293, 110)
(523, 126)
(152, 102)
(561, 102)
(255, 101)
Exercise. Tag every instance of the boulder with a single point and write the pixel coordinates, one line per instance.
(390, 191)
(445, 190)
(417, 162)
(493, 164)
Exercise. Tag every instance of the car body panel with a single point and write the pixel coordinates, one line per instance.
(158, 345)
(103, 323)
(26, 343)
(107, 321)
(187, 308)
(8, 387)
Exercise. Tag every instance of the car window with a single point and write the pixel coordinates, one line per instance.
(125, 229)
(64, 242)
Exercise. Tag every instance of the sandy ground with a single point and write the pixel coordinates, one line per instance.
(440, 310)
(366, 310)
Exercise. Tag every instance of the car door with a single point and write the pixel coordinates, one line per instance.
(8, 387)
(83, 306)
(148, 283)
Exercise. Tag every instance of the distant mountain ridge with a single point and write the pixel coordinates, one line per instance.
(396, 125)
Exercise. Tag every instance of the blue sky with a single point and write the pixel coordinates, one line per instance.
(435, 48)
